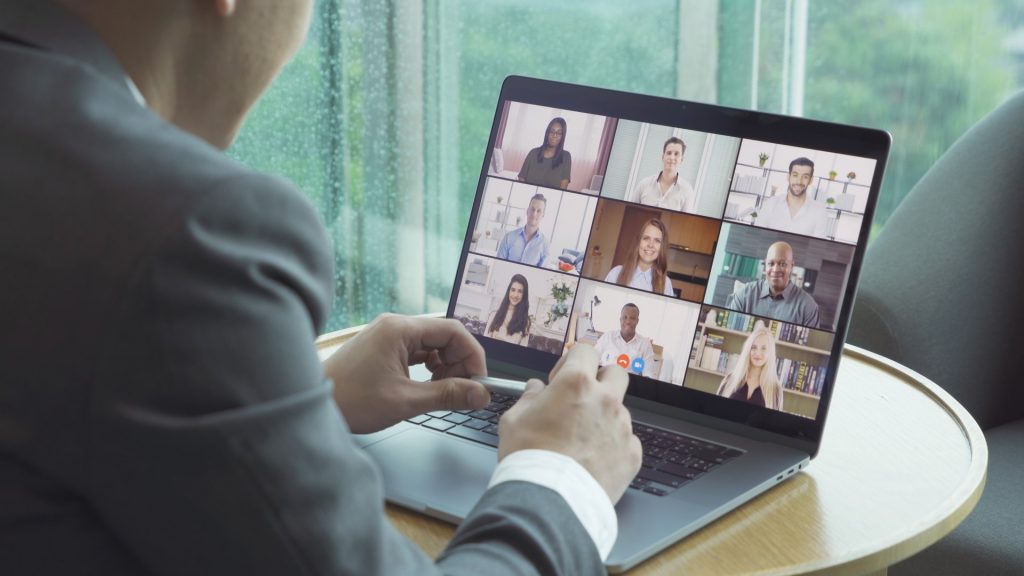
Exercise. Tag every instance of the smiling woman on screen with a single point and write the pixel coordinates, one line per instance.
(647, 261)
(511, 321)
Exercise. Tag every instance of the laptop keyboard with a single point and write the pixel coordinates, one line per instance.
(476, 425)
(670, 459)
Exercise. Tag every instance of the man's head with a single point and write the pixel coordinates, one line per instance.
(778, 265)
(201, 64)
(628, 319)
(672, 153)
(535, 211)
(801, 173)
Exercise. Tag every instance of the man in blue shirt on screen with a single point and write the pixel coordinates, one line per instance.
(527, 244)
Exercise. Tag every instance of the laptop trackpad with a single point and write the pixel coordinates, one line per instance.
(438, 474)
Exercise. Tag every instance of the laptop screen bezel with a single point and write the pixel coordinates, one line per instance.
(510, 359)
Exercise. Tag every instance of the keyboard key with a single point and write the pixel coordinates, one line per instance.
(419, 419)
(463, 411)
(731, 453)
(482, 414)
(492, 429)
(456, 418)
(684, 449)
(674, 457)
(680, 471)
(651, 461)
(474, 435)
(439, 413)
(660, 477)
(476, 424)
(438, 424)
(699, 464)
(663, 442)
(653, 450)
(655, 490)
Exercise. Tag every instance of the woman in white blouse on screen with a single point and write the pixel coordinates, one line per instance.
(646, 264)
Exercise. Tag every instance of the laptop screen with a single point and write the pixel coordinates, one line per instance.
(710, 252)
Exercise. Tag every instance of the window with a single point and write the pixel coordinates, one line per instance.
(382, 118)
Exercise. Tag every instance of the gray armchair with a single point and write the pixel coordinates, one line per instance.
(942, 293)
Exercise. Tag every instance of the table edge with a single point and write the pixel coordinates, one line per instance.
(948, 514)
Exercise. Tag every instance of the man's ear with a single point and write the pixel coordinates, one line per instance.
(225, 7)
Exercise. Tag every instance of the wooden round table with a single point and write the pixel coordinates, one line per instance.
(901, 464)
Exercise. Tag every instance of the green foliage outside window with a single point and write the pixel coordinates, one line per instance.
(382, 119)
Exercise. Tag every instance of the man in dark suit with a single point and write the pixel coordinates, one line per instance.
(162, 406)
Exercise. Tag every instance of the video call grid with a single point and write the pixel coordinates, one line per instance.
(720, 217)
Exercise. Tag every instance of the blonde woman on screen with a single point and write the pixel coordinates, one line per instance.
(754, 379)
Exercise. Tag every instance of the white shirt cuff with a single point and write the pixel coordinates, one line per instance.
(573, 483)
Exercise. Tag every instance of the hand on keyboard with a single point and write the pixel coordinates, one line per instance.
(579, 414)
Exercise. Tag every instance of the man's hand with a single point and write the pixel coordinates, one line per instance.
(371, 372)
(580, 414)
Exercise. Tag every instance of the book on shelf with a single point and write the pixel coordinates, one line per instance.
(735, 321)
(712, 351)
(793, 334)
(801, 376)
(698, 345)
(742, 266)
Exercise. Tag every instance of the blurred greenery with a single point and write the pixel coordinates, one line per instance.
(925, 71)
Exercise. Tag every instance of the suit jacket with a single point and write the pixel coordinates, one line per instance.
(162, 407)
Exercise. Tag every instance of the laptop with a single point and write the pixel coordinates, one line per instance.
(711, 252)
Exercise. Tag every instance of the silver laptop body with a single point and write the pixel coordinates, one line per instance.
(738, 167)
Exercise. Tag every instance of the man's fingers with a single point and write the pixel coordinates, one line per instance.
(581, 357)
(532, 389)
(458, 350)
(446, 394)
(431, 359)
(614, 379)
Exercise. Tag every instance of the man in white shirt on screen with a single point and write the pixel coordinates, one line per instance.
(667, 189)
(795, 212)
(625, 347)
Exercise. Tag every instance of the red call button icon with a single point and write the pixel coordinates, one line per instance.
(623, 361)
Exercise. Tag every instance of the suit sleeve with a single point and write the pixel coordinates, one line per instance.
(215, 444)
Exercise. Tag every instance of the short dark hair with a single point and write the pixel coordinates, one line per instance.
(631, 305)
(673, 140)
(802, 161)
(539, 196)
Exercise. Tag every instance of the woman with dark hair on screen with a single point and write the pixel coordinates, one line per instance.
(646, 262)
(754, 379)
(549, 164)
(511, 321)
